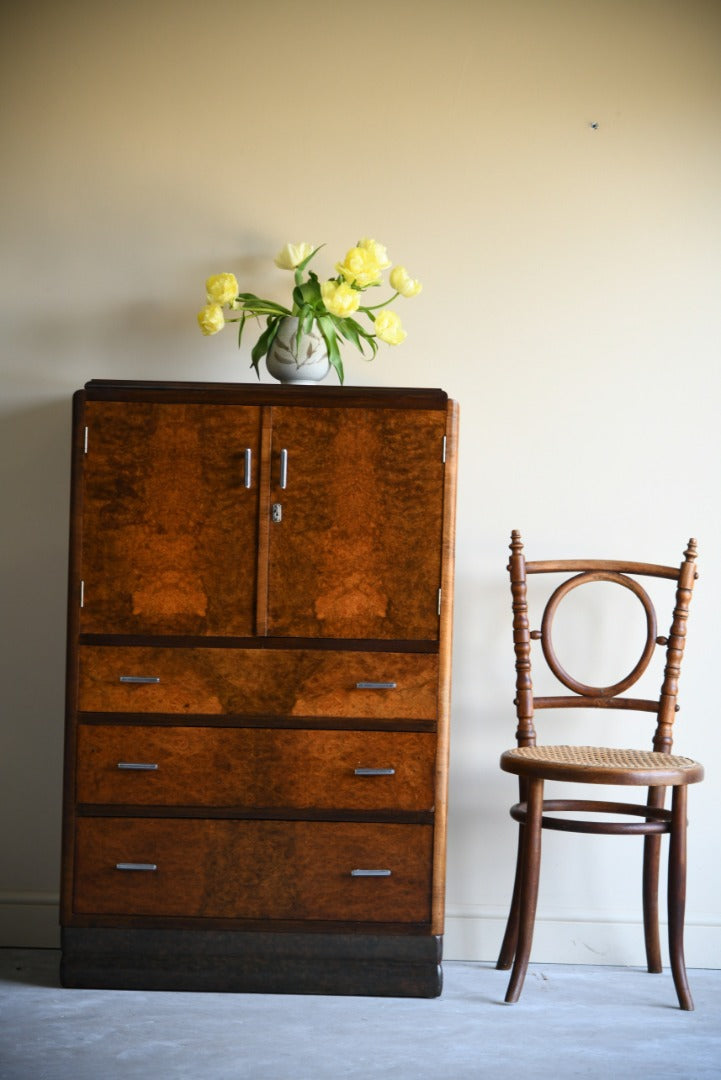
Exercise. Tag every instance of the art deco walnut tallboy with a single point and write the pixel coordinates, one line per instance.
(258, 688)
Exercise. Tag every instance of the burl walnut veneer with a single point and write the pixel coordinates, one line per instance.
(259, 640)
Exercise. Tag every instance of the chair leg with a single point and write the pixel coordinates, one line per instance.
(677, 896)
(651, 862)
(510, 937)
(531, 863)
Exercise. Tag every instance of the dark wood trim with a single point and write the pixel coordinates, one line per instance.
(325, 723)
(179, 641)
(267, 394)
(245, 813)
(280, 926)
(376, 964)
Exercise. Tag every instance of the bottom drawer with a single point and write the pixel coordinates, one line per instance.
(254, 869)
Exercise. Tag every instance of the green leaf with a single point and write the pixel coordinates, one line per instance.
(305, 321)
(298, 300)
(352, 331)
(264, 342)
(309, 293)
(348, 330)
(302, 265)
(254, 305)
(327, 329)
(241, 324)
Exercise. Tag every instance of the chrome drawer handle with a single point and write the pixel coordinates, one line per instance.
(139, 679)
(375, 772)
(136, 866)
(370, 873)
(375, 686)
(143, 765)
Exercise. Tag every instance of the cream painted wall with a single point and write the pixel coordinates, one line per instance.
(571, 304)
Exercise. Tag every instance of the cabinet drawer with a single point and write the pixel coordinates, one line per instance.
(258, 682)
(253, 869)
(252, 767)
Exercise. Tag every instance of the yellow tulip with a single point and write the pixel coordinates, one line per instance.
(403, 283)
(388, 328)
(211, 319)
(221, 288)
(340, 299)
(360, 268)
(292, 255)
(377, 250)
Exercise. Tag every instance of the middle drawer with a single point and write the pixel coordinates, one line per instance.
(255, 767)
(258, 682)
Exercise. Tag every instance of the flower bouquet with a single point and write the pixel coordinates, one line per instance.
(329, 306)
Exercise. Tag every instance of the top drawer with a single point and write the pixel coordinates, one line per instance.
(258, 682)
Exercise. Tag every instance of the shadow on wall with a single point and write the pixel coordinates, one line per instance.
(35, 457)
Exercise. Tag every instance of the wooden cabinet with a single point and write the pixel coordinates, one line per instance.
(258, 688)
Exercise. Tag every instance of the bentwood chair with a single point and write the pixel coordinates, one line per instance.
(655, 769)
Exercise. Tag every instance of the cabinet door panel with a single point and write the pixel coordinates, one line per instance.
(253, 869)
(169, 526)
(258, 682)
(357, 550)
(253, 768)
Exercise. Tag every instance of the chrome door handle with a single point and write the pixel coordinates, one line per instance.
(248, 468)
(370, 873)
(283, 469)
(375, 686)
(375, 772)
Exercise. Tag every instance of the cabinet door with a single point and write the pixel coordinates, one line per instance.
(355, 540)
(169, 523)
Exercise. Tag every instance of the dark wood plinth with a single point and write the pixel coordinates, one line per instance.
(237, 962)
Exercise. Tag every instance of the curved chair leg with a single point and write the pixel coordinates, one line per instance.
(510, 937)
(677, 896)
(531, 865)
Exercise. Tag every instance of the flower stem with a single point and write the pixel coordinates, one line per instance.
(375, 307)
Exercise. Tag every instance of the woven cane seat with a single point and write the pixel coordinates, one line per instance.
(606, 764)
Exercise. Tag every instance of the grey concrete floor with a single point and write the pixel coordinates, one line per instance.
(571, 1022)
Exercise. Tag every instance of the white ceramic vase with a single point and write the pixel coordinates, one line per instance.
(292, 361)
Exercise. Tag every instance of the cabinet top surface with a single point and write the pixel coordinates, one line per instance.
(263, 394)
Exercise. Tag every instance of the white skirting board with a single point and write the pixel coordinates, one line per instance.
(577, 938)
(30, 920)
